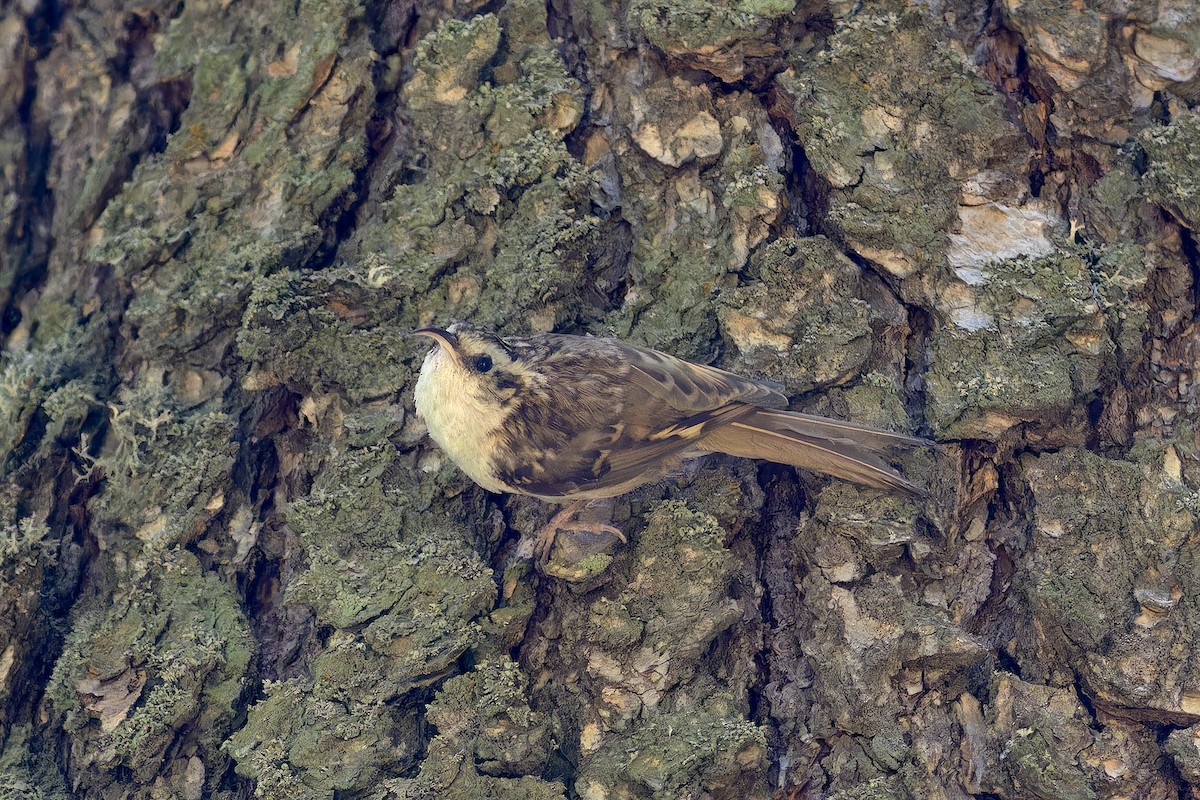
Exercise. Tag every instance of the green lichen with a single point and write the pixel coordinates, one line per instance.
(506, 625)
(402, 595)
(163, 464)
(108, 159)
(26, 771)
(678, 754)
(1104, 540)
(369, 551)
(698, 223)
(876, 400)
(170, 653)
(718, 491)
(882, 113)
(447, 62)
(1064, 33)
(1181, 745)
(1172, 175)
(1057, 287)
(488, 741)
(1115, 229)
(744, 191)
(45, 374)
(579, 570)
(873, 789)
(674, 525)
(333, 330)
(67, 407)
(533, 89)
(614, 626)
(298, 747)
(979, 373)
(197, 273)
(499, 157)
(470, 787)
(21, 540)
(639, 649)
(1044, 348)
(1039, 736)
(541, 253)
(487, 711)
(802, 320)
(701, 25)
(877, 521)
(866, 630)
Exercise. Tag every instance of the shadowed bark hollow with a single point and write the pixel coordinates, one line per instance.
(232, 565)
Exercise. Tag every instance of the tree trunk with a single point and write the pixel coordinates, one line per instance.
(231, 563)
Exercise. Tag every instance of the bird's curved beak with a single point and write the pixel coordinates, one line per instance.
(445, 338)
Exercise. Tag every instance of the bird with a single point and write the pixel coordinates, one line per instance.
(571, 419)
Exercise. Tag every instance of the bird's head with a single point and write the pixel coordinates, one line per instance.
(470, 365)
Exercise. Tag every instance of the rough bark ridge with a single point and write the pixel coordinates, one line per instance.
(231, 565)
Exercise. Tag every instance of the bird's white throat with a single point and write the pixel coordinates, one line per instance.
(461, 425)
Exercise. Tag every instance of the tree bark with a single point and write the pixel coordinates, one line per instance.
(231, 564)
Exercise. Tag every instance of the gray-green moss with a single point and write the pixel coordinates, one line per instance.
(1109, 579)
(499, 217)
(680, 755)
(447, 63)
(982, 385)
(334, 330)
(166, 468)
(1172, 175)
(1037, 348)
(43, 379)
(1039, 736)
(300, 747)
(179, 223)
(1184, 747)
(696, 25)
(410, 578)
(876, 400)
(698, 223)
(488, 740)
(404, 598)
(711, 35)
(26, 771)
(801, 321)
(649, 715)
(895, 120)
(22, 539)
(171, 652)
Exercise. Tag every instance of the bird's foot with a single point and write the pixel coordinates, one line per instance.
(543, 542)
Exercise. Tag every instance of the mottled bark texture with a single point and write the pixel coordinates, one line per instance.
(232, 565)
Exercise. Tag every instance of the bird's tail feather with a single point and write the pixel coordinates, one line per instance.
(828, 446)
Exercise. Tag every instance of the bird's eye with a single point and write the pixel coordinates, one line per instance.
(482, 363)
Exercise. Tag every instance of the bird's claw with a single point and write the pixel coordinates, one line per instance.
(543, 544)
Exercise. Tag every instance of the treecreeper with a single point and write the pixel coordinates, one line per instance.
(576, 418)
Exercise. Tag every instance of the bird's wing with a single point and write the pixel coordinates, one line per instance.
(828, 446)
(742, 417)
(629, 420)
(827, 428)
(625, 417)
(615, 457)
(692, 388)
